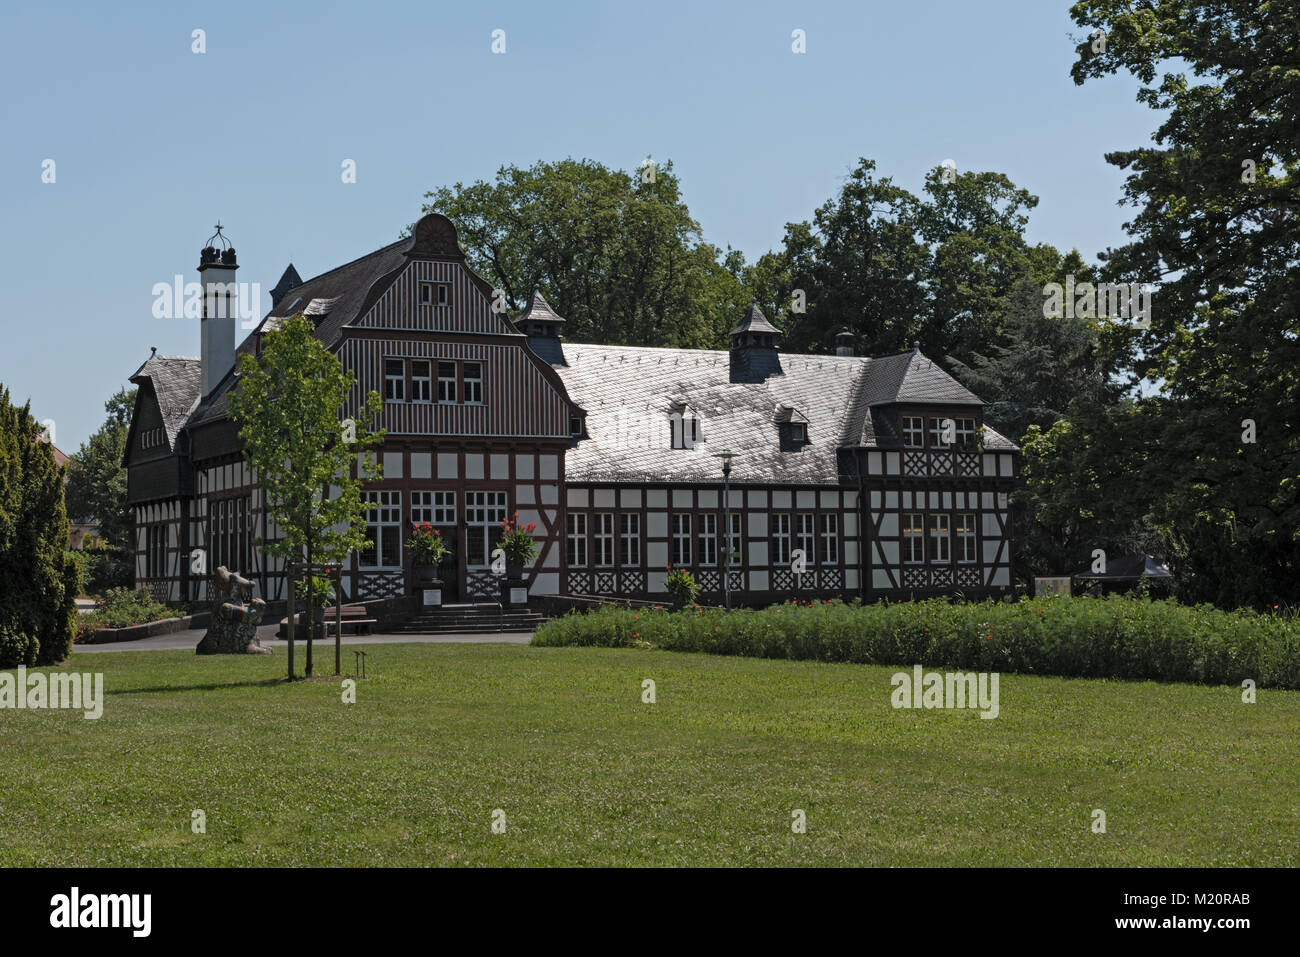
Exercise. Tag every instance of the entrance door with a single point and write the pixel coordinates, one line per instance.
(484, 513)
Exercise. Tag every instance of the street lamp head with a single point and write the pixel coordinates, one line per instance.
(726, 456)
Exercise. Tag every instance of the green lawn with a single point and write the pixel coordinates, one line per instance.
(558, 738)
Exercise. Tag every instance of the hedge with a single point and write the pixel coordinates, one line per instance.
(1114, 637)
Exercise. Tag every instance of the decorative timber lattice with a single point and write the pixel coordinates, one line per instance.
(941, 577)
(482, 584)
(633, 583)
(782, 579)
(372, 585)
(968, 464)
(807, 581)
(710, 581)
(914, 463)
(941, 463)
(914, 577)
(158, 591)
(968, 576)
(736, 580)
(605, 583)
(579, 583)
(832, 579)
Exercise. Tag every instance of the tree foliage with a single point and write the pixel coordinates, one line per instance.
(97, 486)
(1217, 202)
(302, 439)
(616, 253)
(39, 580)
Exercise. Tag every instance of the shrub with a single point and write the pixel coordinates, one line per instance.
(121, 608)
(682, 588)
(1115, 637)
(17, 648)
(39, 581)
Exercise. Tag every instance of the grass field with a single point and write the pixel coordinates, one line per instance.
(558, 738)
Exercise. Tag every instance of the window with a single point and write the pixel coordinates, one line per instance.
(734, 543)
(575, 426)
(681, 540)
(708, 539)
(830, 540)
(228, 535)
(433, 293)
(781, 539)
(602, 541)
(913, 543)
(436, 508)
(806, 541)
(913, 434)
(577, 540)
(937, 429)
(965, 433)
(940, 541)
(798, 432)
(421, 380)
(151, 438)
(394, 380)
(484, 513)
(155, 555)
(966, 537)
(446, 382)
(474, 382)
(383, 530)
(629, 545)
(685, 430)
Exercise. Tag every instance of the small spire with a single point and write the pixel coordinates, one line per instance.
(916, 346)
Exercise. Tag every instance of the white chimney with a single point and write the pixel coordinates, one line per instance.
(220, 304)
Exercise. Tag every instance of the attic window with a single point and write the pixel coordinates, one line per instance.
(684, 426)
(575, 426)
(798, 432)
(433, 294)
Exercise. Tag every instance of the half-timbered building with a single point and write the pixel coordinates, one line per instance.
(845, 475)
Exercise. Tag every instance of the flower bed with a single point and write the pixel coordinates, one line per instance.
(1115, 637)
(123, 609)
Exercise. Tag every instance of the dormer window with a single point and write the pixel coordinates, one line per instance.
(575, 426)
(685, 426)
(792, 423)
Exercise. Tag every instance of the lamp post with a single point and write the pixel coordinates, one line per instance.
(726, 456)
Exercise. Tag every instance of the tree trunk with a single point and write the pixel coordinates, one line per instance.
(289, 586)
(311, 608)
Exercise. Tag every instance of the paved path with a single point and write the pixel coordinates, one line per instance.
(188, 640)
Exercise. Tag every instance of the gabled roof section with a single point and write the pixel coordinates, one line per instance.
(288, 281)
(339, 296)
(175, 382)
(911, 377)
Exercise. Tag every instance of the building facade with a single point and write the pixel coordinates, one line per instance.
(848, 476)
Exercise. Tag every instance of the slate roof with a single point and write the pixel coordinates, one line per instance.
(340, 296)
(175, 381)
(630, 392)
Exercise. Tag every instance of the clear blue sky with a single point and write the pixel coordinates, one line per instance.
(153, 143)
